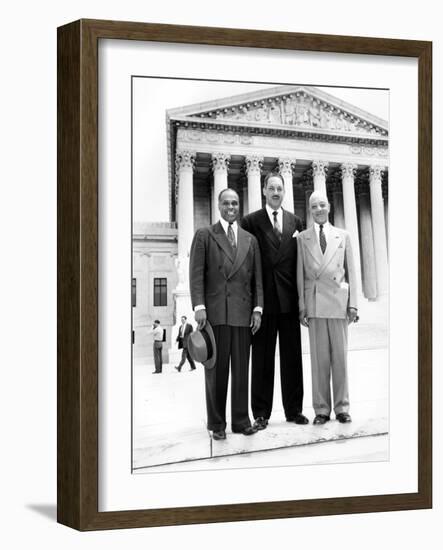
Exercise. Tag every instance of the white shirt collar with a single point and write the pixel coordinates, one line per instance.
(326, 229)
(225, 224)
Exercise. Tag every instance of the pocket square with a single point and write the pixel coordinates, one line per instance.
(296, 232)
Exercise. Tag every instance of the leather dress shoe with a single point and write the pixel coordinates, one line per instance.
(178, 369)
(299, 418)
(321, 419)
(250, 430)
(260, 423)
(218, 435)
(344, 418)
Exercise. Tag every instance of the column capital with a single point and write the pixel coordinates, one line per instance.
(319, 167)
(376, 172)
(184, 160)
(254, 164)
(220, 161)
(285, 165)
(348, 169)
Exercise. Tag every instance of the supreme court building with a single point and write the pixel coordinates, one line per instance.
(315, 140)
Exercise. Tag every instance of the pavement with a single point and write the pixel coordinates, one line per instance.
(169, 419)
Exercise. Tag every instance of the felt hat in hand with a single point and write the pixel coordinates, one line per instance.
(201, 346)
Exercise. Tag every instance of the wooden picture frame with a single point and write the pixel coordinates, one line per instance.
(78, 467)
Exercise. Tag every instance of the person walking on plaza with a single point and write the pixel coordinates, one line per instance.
(182, 339)
(327, 289)
(276, 232)
(157, 332)
(226, 290)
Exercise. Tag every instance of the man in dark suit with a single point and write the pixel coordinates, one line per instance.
(226, 289)
(276, 231)
(182, 339)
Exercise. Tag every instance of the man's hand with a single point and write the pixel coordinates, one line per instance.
(352, 315)
(303, 318)
(200, 318)
(255, 321)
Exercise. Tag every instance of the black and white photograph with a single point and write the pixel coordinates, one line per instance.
(260, 274)
(190, 360)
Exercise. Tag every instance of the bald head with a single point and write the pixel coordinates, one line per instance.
(319, 207)
(318, 196)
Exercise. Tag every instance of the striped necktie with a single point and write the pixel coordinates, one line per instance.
(322, 239)
(231, 236)
(277, 228)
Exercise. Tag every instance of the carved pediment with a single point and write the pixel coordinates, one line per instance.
(289, 107)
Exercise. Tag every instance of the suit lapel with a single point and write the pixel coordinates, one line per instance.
(243, 244)
(288, 231)
(334, 239)
(313, 246)
(219, 235)
(268, 229)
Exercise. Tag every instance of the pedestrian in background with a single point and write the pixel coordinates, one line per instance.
(157, 332)
(182, 339)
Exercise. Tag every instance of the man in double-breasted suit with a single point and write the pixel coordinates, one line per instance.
(327, 291)
(226, 289)
(276, 231)
(182, 339)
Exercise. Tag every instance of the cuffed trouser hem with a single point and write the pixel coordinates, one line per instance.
(293, 414)
(216, 427)
(240, 428)
(341, 410)
(322, 411)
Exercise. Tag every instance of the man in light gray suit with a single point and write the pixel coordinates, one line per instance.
(327, 290)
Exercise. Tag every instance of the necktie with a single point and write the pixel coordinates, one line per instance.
(231, 236)
(322, 239)
(277, 229)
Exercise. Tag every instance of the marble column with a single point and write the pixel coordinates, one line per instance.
(309, 188)
(185, 212)
(379, 229)
(245, 196)
(185, 204)
(220, 164)
(337, 199)
(367, 243)
(350, 212)
(253, 171)
(184, 169)
(285, 167)
(385, 193)
(319, 169)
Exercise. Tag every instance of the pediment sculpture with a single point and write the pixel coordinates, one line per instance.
(297, 109)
